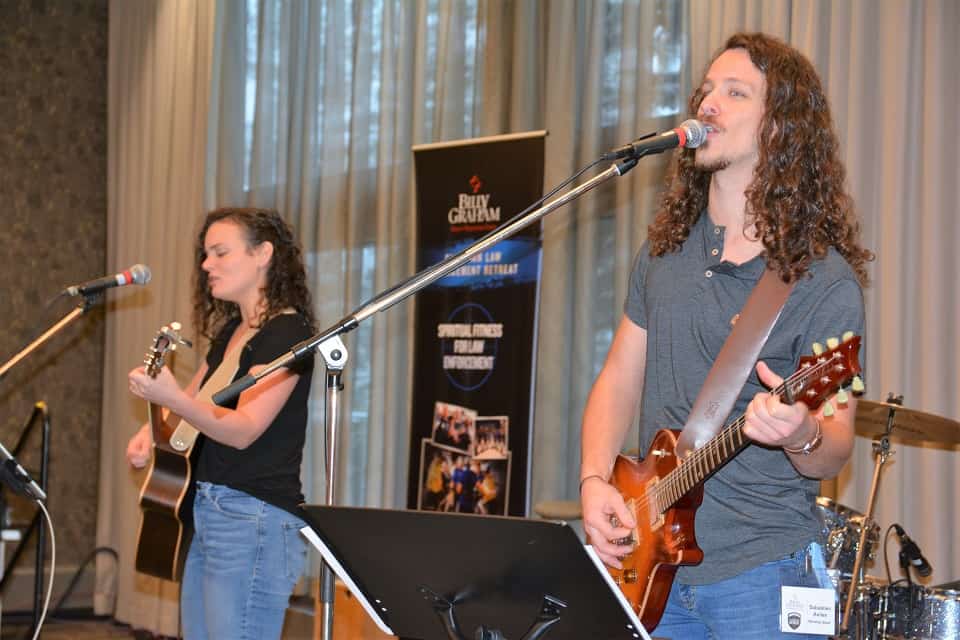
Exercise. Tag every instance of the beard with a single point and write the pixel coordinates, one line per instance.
(710, 166)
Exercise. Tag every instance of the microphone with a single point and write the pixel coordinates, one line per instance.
(690, 134)
(137, 274)
(17, 478)
(910, 552)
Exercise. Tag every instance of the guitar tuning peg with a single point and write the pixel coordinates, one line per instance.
(847, 336)
(832, 343)
(828, 410)
(842, 397)
(857, 384)
(176, 326)
(817, 348)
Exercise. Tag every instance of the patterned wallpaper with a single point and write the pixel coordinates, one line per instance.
(53, 209)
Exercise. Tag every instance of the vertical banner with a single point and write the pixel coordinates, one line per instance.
(475, 329)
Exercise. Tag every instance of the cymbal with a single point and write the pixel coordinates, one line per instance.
(908, 424)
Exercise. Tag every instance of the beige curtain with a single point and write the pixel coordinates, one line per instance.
(314, 109)
(159, 69)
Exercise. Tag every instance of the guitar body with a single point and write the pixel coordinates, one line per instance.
(166, 497)
(664, 541)
(166, 518)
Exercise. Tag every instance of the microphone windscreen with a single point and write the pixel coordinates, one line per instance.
(141, 273)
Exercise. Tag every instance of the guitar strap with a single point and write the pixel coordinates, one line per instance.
(185, 435)
(736, 359)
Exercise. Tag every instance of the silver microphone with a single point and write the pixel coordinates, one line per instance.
(690, 134)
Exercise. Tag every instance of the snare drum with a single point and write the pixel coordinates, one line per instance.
(840, 529)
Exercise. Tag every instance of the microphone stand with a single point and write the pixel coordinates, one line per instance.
(88, 302)
(335, 354)
(13, 473)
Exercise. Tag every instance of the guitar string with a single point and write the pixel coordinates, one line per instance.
(678, 482)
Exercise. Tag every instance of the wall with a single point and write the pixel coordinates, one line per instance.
(53, 166)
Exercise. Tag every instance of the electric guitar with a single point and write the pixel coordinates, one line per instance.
(663, 492)
(166, 498)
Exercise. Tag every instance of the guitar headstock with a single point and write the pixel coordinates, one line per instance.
(827, 372)
(168, 338)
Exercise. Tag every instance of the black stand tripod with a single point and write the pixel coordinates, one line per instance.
(427, 576)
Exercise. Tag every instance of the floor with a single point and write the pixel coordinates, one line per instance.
(350, 622)
(73, 630)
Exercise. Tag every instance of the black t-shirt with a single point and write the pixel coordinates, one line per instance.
(269, 468)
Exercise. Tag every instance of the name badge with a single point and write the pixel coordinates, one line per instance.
(807, 610)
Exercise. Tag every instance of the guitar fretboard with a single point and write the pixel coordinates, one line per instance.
(704, 461)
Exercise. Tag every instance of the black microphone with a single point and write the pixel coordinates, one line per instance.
(690, 134)
(17, 478)
(911, 552)
(137, 274)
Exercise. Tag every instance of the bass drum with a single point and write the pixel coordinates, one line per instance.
(840, 529)
(913, 612)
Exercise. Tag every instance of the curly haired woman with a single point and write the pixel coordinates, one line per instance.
(252, 302)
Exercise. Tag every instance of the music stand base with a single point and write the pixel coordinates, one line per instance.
(550, 611)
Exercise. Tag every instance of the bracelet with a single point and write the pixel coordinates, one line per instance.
(810, 445)
(592, 475)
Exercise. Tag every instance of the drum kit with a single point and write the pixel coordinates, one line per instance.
(870, 608)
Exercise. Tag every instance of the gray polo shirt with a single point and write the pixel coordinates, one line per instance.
(757, 508)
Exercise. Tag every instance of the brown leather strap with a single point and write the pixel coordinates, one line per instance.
(734, 362)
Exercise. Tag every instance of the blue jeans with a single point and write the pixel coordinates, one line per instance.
(745, 607)
(244, 560)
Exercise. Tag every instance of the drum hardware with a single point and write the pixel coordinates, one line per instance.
(891, 610)
(881, 452)
(840, 531)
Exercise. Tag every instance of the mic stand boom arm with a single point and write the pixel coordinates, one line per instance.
(418, 281)
(335, 356)
(89, 300)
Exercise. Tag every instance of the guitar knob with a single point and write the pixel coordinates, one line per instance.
(842, 397)
(618, 578)
(828, 409)
(630, 576)
(832, 343)
(847, 336)
(857, 384)
(817, 348)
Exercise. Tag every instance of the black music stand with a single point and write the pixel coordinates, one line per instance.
(435, 576)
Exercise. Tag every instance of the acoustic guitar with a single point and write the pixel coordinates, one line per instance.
(663, 492)
(166, 497)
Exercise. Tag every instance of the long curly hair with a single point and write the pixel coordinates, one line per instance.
(286, 277)
(796, 199)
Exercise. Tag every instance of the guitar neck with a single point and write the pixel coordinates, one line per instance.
(723, 447)
(157, 424)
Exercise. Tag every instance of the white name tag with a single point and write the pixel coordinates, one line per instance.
(806, 610)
